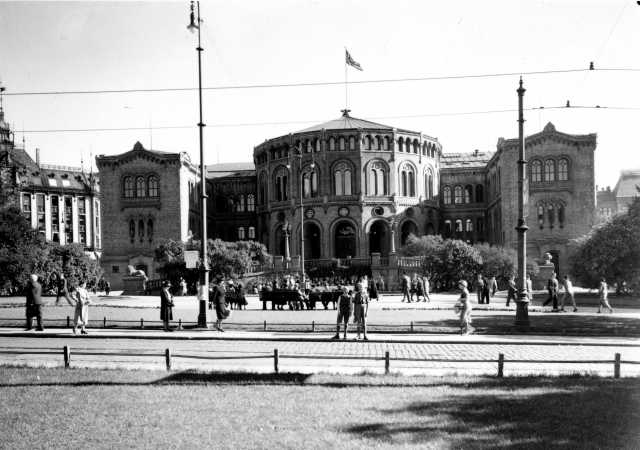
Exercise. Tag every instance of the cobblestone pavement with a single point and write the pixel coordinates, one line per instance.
(248, 352)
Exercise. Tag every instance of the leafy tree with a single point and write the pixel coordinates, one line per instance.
(611, 251)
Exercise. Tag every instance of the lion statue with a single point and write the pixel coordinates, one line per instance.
(133, 272)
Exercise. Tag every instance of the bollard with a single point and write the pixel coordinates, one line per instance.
(265, 325)
(141, 323)
(386, 363)
(276, 361)
(104, 322)
(67, 356)
(68, 322)
(313, 326)
(412, 326)
(167, 358)
(500, 365)
(179, 324)
(616, 366)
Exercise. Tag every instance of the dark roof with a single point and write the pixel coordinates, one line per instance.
(465, 160)
(346, 122)
(236, 169)
(628, 183)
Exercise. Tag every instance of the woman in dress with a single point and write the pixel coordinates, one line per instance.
(464, 308)
(166, 305)
(82, 308)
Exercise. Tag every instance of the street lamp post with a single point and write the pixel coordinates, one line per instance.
(522, 303)
(286, 229)
(203, 289)
(299, 155)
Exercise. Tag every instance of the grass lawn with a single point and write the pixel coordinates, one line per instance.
(55, 408)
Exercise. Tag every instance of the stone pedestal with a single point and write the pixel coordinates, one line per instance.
(540, 280)
(295, 263)
(133, 285)
(278, 262)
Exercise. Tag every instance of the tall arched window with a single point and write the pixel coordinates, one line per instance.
(141, 230)
(332, 144)
(128, 187)
(153, 186)
(468, 194)
(309, 183)
(141, 190)
(342, 179)
(385, 143)
(262, 189)
(457, 195)
(132, 230)
(446, 194)
(416, 146)
(376, 143)
(549, 170)
(251, 202)
(407, 146)
(561, 216)
(407, 181)
(536, 171)
(367, 142)
(563, 170)
(447, 228)
(480, 225)
(252, 233)
(377, 179)
(400, 144)
(150, 230)
(341, 144)
(541, 216)
(428, 184)
(479, 193)
(241, 233)
(316, 144)
(468, 226)
(241, 203)
(458, 227)
(551, 215)
(281, 184)
(352, 143)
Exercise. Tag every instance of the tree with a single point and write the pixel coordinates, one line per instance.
(611, 251)
(502, 263)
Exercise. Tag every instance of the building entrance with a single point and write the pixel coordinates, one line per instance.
(379, 238)
(345, 240)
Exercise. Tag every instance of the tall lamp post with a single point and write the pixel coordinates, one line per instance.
(298, 153)
(203, 289)
(522, 303)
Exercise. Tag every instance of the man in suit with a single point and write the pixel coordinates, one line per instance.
(34, 302)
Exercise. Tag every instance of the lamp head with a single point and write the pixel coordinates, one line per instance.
(313, 165)
(193, 26)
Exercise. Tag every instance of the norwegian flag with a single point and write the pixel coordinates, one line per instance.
(350, 61)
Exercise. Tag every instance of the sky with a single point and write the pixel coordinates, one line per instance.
(72, 46)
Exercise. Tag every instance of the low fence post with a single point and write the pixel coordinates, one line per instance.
(313, 326)
(167, 358)
(386, 363)
(141, 323)
(265, 326)
(276, 361)
(500, 365)
(104, 322)
(616, 366)
(412, 326)
(68, 321)
(67, 356)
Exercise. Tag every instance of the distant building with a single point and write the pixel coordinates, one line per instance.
(62, 203)
(149, 196)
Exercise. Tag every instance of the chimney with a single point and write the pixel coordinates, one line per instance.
(476, 151)
(38, 157)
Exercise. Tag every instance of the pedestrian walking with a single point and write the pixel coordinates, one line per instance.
(493, 286)
(568, 291)
(183, 287)
(373, 290)
(222, 312)
(486, 291)
(380, 287)
(34, 304)
(419, 287)
(480, 282)
(406, 286)
(603, 292)
(427, 287)
(81, 314)
(166, 305)
(552, 289)
(464, 308)
(62, 289)
(107, 287)
(360, 309)
(511, 291)
(345, 308)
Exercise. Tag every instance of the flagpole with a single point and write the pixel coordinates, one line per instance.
(346, 97)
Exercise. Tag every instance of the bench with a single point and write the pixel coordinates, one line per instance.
(282, 297)
(325, 298)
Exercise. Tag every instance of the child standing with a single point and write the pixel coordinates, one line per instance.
(345, 308)
(360, 309)
(464, 308)
(82, 308)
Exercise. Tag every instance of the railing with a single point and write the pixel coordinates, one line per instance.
(410, 261)
(59, 167)
(168, 358)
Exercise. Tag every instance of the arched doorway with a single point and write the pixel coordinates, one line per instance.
(312, 241)
(279, 241)
(379, 238)
(430, 229)
(345, 240)
(409, 227)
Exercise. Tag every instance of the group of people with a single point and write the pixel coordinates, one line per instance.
(77, 296)
(417, 286)
(356, 304)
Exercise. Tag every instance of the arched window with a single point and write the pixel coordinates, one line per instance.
(407, 145)
(141, 230)
(468, 194)
(141, 190)
(341, 144)
(252, 233)
(317, 145)
(367, 142)
(376, 143)
(428, 184)
(342, 179)
(251, 202)
(262, 189)
(377, 179)
(563, 170)
(150, 230)
(549, 170)
(458, 226)
(132, 230)
(153, 186)
(447, 228)
(128, 187)
(241, 233)
(457, 193)
(400, 144)
(424, 149)
(479, 193)
(241, 203)
(468, 226)
(550, 215)
(446, 194)
(407, 181)
(536, 171)
(309, 182)
(561, 216)
(352, 143)
(385, 143)
(281, 184)
(332, 144)
(541, 216)
(416, 146)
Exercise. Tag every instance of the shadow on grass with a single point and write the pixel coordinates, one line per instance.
(552, 414)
